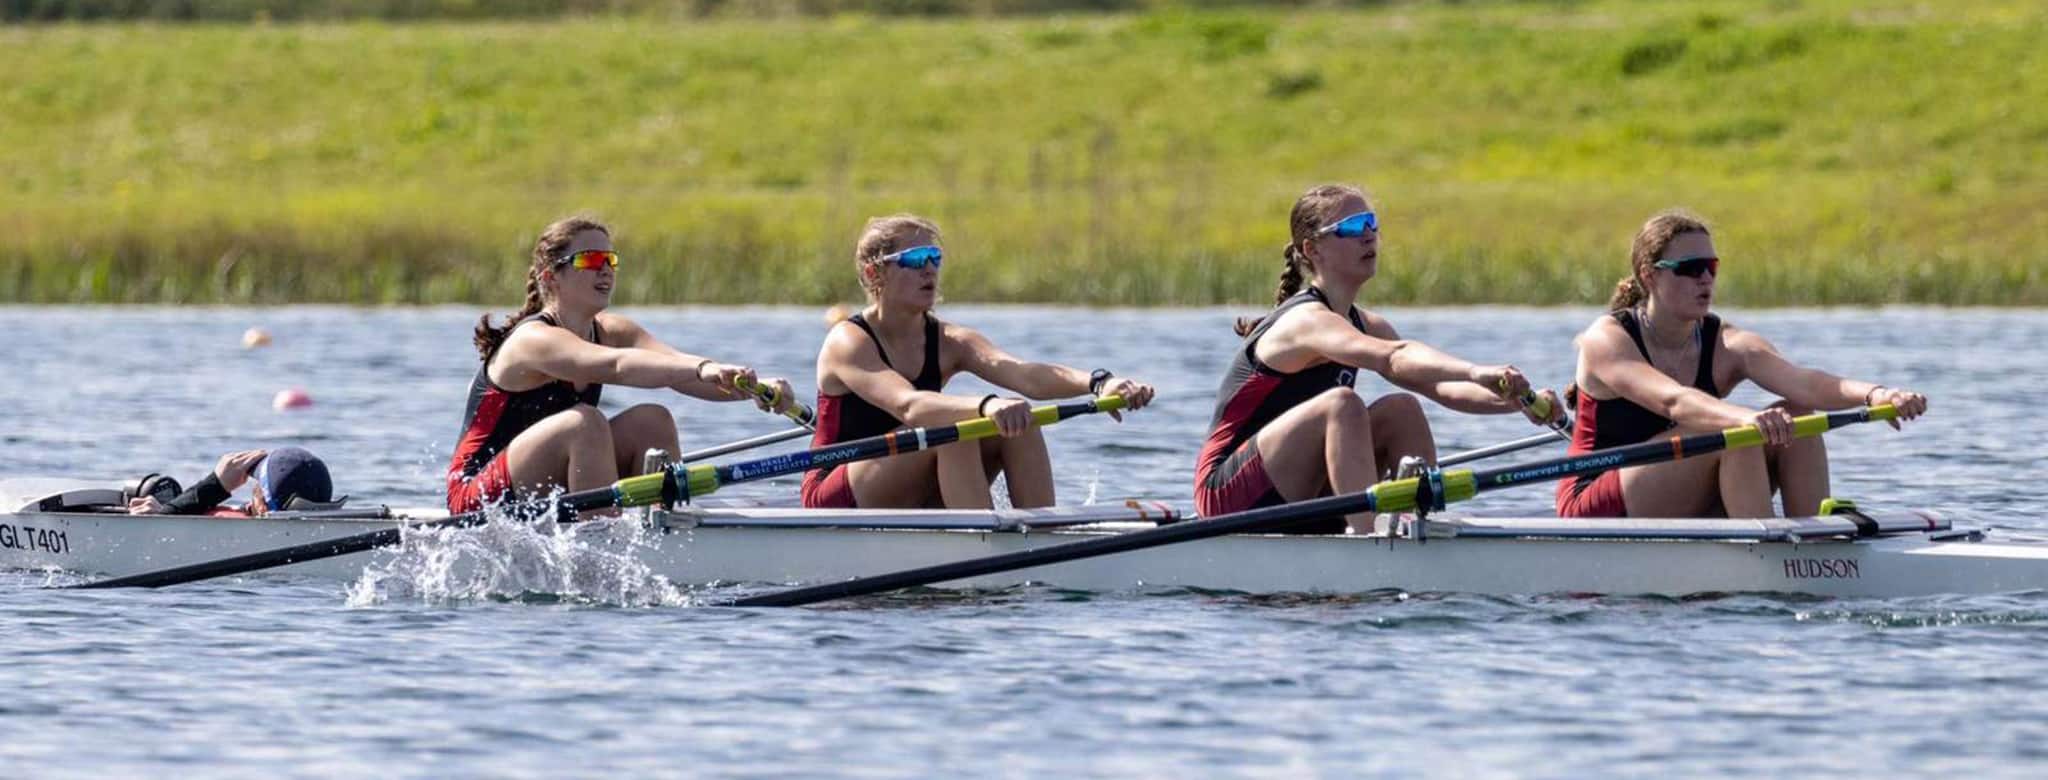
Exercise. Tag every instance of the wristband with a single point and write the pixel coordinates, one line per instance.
(699, 373)
(1872, 393)
(982, 408)
(1097, 379)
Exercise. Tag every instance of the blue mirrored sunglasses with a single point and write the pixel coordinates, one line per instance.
(916, 257)
(1352, 226)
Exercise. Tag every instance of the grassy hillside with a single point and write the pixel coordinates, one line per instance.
(1846, 152)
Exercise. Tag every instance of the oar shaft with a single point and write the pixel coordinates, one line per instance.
(1667, 449)
(682, 482)
(1502, 448)
(744, 444)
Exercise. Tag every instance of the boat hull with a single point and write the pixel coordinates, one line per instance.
(1891, 566)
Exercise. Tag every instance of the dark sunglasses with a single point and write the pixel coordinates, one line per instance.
(1692, 267)
(916, 257)
(1352, 226)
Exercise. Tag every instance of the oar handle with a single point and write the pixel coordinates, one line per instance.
(797, 411)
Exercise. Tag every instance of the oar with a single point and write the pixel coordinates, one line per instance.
(1434, 489)
(679, 482)
(744, 444)
(1561, 429)
(804, 417)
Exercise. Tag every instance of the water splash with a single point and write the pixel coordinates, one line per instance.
(507, 558)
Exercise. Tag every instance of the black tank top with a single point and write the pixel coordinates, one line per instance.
(849, 416)
(1618, 421)
(495, 415)
(1253, 393)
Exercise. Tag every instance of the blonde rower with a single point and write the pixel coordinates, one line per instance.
(887, 366)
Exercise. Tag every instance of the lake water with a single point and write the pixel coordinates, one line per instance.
(274, 675)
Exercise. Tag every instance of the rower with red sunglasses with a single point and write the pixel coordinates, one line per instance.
(532, 423)
(1288, 425)
(1661, 360)
(887, 367)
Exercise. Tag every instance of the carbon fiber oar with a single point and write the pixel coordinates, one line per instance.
(679, 482)
(1433, 489)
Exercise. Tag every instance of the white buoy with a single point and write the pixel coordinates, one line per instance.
(255, 337)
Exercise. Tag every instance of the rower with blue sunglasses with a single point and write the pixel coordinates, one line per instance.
(887, 367)
(1288, 425)
(1660, 360)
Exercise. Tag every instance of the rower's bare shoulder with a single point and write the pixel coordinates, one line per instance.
(843, 342)
(1606, 337)
(1378, 326)
(618, 330)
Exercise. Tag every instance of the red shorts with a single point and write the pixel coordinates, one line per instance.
(827, 489)
(1235, 484)
(1597, 496)
(468, 494)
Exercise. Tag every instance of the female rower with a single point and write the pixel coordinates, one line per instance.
(884, 368)
(1661, 359)
(1287, 425)
(532, 422)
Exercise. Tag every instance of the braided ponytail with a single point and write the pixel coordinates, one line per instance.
(1312, 210)
(553, 241)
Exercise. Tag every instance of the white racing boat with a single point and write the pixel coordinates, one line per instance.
(1881, 555)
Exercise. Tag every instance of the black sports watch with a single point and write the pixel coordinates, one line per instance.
(1097, 379)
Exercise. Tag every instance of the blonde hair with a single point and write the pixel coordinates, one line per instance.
(1313, 210)
(881, 236)
(1655, 236)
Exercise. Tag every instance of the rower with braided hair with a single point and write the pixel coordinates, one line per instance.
(532, 423)
(1288, 426)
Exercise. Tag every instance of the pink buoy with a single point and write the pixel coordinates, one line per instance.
(293, 398)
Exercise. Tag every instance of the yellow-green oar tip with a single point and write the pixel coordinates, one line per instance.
(1109, 403)
(1884, 412)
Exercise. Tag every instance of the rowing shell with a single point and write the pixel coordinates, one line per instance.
(1910, 554)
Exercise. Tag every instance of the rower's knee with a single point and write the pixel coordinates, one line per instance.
(1395, 407)
(1344, 409)
(648, 417)
(582, 423)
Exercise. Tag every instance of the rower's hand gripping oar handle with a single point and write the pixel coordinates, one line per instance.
(797, 411)
(1540, 407)
(681, 482)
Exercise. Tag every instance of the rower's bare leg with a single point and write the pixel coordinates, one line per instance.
(1745, 481)
(639, 429)
(907, 481)
(570, 449)
(1023, 461)
(963, 479)
(1325, 443)
(1684, 488)
(1399, 429)
(1800, 470)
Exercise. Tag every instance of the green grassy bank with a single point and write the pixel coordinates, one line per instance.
(1846, 152)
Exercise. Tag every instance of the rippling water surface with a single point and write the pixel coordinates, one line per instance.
(271, 675)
